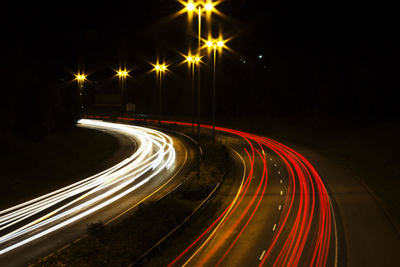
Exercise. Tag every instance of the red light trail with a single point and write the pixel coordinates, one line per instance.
(303, 233)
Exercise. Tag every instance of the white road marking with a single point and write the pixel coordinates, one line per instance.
(275, 165)
(262, 255)
(280, 207)
(281, 181)
(273, 229)
(281, 192)
(279, 172)
(270, 159)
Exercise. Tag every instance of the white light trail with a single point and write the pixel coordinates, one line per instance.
(43, 215)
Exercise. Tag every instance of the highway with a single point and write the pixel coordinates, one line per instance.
(42, 225)
(280, 214)
(279, 211)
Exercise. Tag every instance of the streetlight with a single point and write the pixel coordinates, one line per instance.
(214, 44)
(160, 69)
(80, 78)
(122, 75)
(199, 7)
(190, 6)
(192, 60)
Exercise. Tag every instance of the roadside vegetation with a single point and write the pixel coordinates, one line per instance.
(123, 242)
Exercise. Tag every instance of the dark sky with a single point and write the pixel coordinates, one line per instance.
(95, 32)
(72, 32)
(342, 39)
(320, 57)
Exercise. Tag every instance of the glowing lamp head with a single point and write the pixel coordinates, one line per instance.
(163, 67)
(80, 77)
(122, 73)
(190, 6)
(210, 44)
(208, 7)
(157, 67)
(189, 58)
(220, 43)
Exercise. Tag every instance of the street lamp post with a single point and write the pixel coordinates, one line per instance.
(214, 44)
(160, 69)
(80, 78)
(193, 64)
(198, 81)
(192, 61)
(200, 6)
(122, 75)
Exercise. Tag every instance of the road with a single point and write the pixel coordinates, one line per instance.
(283, 213)
(367, 236)
(280, 214)
(38, 227)
(279, 211)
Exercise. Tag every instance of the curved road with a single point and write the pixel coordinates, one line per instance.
(280, 214)
(277, 211)
(36, 228)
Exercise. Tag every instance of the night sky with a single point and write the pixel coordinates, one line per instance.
(334, 56)
(68, 30)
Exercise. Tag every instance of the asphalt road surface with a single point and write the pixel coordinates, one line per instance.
(283, 209)
(281, 213)
(155, 166)
(289, 210)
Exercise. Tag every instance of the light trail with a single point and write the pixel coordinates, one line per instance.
(38, 217)
(303, 233)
